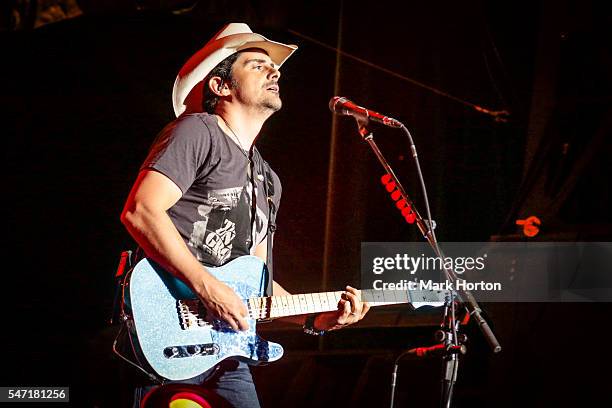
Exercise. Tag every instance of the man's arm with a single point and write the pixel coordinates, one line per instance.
(350, 307)
(146, 220)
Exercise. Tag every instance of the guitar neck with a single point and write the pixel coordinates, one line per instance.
(272, 307)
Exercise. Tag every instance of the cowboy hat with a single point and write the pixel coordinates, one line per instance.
(232, 38)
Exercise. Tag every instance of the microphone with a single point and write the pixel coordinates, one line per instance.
(342, 106)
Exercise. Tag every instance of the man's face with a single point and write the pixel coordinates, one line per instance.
(256, 80)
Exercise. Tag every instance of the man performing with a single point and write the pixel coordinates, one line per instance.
(204, 196)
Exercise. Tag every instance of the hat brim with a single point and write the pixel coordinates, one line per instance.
(187, 90)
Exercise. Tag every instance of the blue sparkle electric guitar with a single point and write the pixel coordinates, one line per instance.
(170, 329)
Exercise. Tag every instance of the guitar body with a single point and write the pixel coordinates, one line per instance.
(170, 326)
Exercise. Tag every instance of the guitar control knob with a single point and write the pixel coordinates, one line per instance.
(194, 350)
(171, 352)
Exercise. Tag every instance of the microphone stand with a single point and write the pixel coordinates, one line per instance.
(449, 347)
(464, 296)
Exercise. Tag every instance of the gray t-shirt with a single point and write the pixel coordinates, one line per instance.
(215, 215)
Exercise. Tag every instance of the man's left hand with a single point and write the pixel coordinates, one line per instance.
(350, 310)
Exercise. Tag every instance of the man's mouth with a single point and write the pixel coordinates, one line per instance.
(273, 88)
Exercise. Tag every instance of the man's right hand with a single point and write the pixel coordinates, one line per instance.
(222, 303)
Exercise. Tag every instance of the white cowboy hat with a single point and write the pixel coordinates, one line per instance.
(231, 39)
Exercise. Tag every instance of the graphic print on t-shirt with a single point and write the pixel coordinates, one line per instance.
(219, 242)
(212, 236)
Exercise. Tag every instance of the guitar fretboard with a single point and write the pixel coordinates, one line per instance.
(272, 307)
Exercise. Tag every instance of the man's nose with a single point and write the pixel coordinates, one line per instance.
(274, 73)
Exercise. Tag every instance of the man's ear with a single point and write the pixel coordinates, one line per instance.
(217, 86)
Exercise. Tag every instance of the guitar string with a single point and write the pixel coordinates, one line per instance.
(261, 311)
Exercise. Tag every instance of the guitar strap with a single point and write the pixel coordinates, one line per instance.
(268, 183)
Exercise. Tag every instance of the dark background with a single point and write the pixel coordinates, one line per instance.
(83, 98)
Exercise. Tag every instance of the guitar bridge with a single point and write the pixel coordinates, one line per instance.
(191, 313)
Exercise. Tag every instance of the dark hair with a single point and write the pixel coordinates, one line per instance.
(224, 71)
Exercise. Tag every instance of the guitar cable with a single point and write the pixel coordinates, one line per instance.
(125, 318)
(124, 358)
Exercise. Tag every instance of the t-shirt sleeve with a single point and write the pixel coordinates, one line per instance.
(181, 151)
